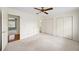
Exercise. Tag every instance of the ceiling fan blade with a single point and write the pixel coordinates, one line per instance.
(36, 8)
(48, 9)
(45, 12)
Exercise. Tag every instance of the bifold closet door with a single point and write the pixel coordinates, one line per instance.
(60, 26)
(68, 27)
(44, 26)
(47, 26)
(64, 26)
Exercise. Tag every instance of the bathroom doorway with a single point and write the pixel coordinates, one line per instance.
(13, 28)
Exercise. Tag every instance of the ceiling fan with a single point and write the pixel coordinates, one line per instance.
(43, 9)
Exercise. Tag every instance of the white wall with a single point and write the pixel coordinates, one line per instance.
(64, 14)
(4, 28)
(29, 24)
(78, 25)
(0, 29)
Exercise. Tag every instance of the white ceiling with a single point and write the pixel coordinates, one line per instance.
(55, 9)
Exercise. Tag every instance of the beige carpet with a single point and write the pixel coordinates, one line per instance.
(43, 42)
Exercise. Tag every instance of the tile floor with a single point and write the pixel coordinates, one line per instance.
(43, 42)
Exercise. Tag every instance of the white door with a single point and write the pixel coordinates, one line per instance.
(47, 26)
(43, 26)
(60, 26)
(68, 27)
(64, 26)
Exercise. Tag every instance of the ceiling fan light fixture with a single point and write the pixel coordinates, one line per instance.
(43, 10)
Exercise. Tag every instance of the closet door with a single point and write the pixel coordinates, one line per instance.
(68, 27)
(47, 26)
(64, 26)
(44, 26)
(60, 26)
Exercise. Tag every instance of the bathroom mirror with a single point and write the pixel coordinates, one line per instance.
(12, 23)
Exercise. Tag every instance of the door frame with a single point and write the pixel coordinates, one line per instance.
(17, 35)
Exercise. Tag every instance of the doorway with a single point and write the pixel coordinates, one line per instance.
(13, 28)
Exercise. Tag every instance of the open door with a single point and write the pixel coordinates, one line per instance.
(13, 28)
